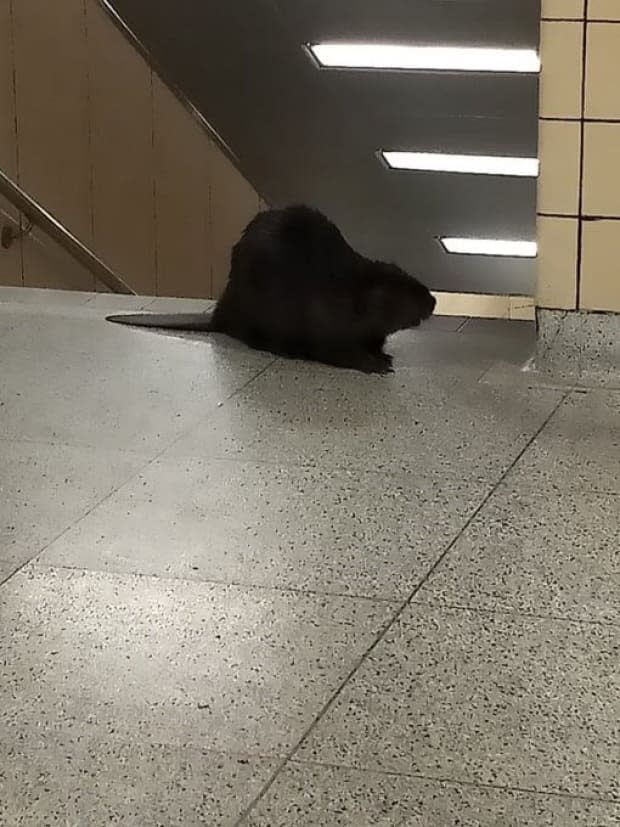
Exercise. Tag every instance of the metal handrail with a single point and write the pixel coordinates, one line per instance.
(40, 217)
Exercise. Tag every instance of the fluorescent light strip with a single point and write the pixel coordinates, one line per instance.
(446, 58)
(490, 247)
(472, 164)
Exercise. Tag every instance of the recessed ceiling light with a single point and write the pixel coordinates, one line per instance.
(490, 247)
(473, 164)
(446, 58)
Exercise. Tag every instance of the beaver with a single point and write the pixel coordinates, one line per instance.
(297, 289)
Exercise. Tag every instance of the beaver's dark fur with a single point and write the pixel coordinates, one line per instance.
(297, 289)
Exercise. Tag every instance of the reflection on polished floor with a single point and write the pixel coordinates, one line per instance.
(237, 590)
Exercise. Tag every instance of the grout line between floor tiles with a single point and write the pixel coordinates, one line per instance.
(481, 376)
(147, 455)
(82, 516)
(438, 603)
(113, 737)
(441, 476)
(392, 621)
(136, 473)
(453, 781)
(394, 600)
(201, 581)
(81, 446)
(547, 383)
(486, 372)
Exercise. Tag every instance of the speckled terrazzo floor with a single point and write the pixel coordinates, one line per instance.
(241, 591)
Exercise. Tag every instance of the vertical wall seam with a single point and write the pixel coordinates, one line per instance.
(17, 158)
(582, 128)
(156, 227)
(211, 234)
(89, 136)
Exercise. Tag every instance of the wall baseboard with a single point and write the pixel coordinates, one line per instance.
(474, 305)
(485, 306)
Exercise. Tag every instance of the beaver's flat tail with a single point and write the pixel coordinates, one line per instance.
(166, 321)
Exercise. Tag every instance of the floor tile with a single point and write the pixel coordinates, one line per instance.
(211, 667)
(39, 296)
(94, 778)
(14, 316)
(506, 700)
(556, 556)
(505, 373)
(6, 570)
(84, 381)
(584, 347)
(336, 797)
(579, 448)
(44, 489)
(433, 423)
(449, 324)
(164, 305)
(94, 312)
(507, 329)
(457, 353)
(119, 302)
(340, 531)
(135, 691)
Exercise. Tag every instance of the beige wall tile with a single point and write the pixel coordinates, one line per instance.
(11, 267)
(11, 259)
(603, 71)
(53, 137)
(603, 10)
(557, 262)
(600, 266)
(601, 174)
(52, 108)
(46, 264)
(560, 82)
(8, 139)
(559, 152)
(182, 150)
(122, 153)
(233, 204)
(563, 9)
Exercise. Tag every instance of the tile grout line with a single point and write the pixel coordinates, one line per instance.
(392, 621)
(117, 488)
(394, 599)
(234, 584)
(16, 124)
(582, 157)
(452, 781)
(504, 610)
(89, 119)
(426, 476)
(131, 477)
